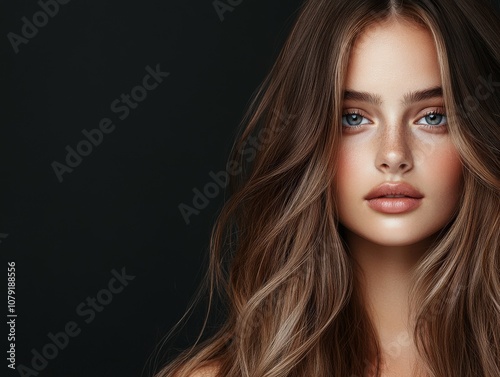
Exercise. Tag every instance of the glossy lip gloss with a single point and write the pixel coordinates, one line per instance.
(394, 205)
(394, 197)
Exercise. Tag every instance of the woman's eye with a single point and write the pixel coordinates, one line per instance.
(353, 120)
(433, 119)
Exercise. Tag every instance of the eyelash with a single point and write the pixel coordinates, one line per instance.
(432, 112)
(353, 112)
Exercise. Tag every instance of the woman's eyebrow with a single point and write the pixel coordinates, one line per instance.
(408, 99)
(422, 95)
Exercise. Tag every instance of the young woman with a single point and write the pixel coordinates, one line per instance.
(361, 237)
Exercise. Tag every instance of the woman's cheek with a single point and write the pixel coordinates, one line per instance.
(445, 172)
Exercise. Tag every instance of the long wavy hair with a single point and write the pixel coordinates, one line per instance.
(278, 259)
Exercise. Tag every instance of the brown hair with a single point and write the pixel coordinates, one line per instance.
(278, 259)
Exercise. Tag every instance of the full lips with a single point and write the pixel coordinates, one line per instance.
(394, 205)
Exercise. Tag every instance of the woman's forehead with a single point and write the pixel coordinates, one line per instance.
(393, 56)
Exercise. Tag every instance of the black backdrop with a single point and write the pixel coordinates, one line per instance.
(118, 206)
(92, 181)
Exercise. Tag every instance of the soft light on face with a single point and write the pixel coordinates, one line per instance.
(390, 135)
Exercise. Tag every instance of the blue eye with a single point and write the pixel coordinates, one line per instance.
(353, 120)
(433, 119)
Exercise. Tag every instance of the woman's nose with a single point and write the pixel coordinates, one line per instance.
(393, 151)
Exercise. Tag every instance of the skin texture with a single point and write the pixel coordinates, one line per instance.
(389, 60)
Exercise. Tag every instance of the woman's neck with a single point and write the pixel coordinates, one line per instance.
(384, 275)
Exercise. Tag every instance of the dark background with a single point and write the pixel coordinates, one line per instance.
(119, 207)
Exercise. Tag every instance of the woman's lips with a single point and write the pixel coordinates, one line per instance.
(394, 189)
(394, 197)
(394, 205)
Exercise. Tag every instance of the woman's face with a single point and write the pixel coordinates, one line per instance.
(394, 130)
